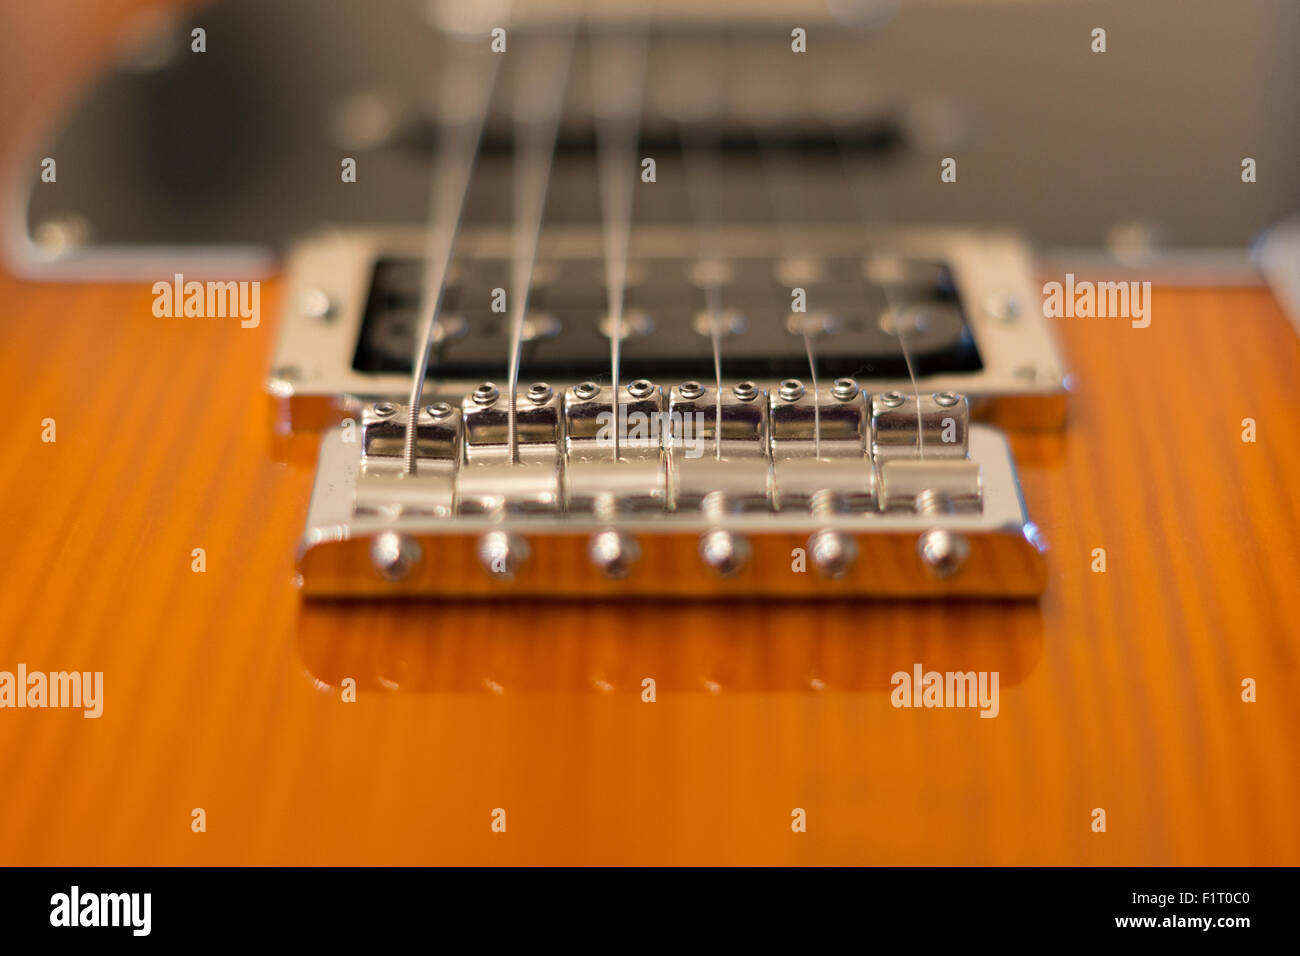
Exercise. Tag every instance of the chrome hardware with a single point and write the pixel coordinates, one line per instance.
(944, 419)
(502, 553)
(942, 550)
(595, 482)
(383, 431)
(395, 555)
(742, 478)
(317, 381)
(613, 551)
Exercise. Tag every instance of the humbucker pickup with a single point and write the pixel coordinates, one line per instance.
(820, 471)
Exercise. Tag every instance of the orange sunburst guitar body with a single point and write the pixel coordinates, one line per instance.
(225, 690)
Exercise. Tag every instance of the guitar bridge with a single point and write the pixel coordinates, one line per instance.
(842, 479)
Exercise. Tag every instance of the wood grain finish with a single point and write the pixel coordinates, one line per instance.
(1118, 690)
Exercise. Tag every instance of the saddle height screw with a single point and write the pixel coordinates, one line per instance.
(792, 390)
(641, 388)
(438, 410)
(845, 389)
(690, 390)
(946, 399)
(586, 391)
(384, 409)
(746, 391)
(540, 393)
(486, 395)
(892, 399)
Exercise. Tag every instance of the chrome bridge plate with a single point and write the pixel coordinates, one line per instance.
(760, 514)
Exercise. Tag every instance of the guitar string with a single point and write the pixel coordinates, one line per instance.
(701, 153)
(541, 84)
(618, 66)
(464, 94)
(786, 198)
(856, 179)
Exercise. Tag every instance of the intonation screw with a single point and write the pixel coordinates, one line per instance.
(892, 399)
(502, 553)
(833, 552)
(486, 395)
(394, 555)
(438, 410)
(946, 399)
(540, 393)
(384, 409)
(613, 552)
(726, 552)
(690, 390)
(792, 390)
(641, 388)
(845, 389)
(943, 552)
(746, 391)
(586, 391)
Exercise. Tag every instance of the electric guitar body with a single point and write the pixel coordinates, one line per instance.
(915, 575)
(1120, 690)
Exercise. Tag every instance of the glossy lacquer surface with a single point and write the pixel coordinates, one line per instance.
(222, 691)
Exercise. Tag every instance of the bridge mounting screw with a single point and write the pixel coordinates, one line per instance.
(845, 389)
(486, 395)
(540, 393)
(438, 410)
(384, 409)
(691, 390)
(641, 388)
(792, 390)
(946, 399)
(586, 391)
(892, 399)
(746, 391)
